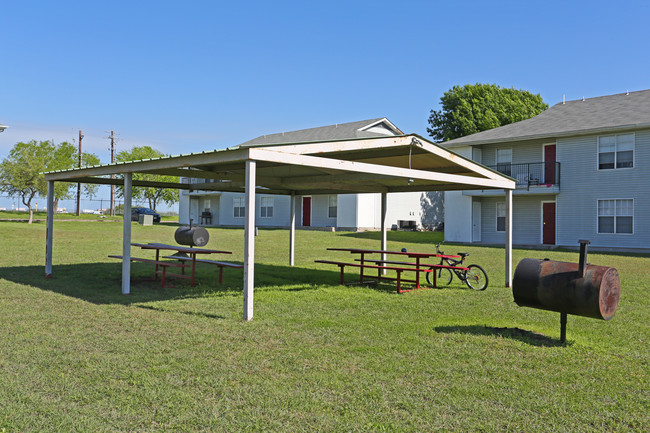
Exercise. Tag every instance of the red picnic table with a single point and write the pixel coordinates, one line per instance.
(381, 264)
(192, 252)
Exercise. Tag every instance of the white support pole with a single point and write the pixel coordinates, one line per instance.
(292, 230)
(384, 242)
(249, 241)
(126, 236)
(49, 227)
(508, 238)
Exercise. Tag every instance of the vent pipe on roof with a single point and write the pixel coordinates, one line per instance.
(563, 98)
(627, 92)
(583, 99)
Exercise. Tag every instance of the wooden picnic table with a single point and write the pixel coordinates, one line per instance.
(417, 267)
(192, 252)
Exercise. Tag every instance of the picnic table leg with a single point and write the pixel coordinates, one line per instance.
(155, 275)
(361, 270)
(342, 280)
(417, 273)
(193, 267)
(164, 270)
(399, 282)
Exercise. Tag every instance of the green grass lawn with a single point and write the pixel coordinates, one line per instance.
(42, 215)
(76, 355)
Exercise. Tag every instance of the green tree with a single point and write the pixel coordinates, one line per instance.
(152, 195)
(477, 107)
(21, 173)
(66, 156)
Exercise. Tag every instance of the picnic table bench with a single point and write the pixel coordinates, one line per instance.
(184, 256)
(221, 265)
(163, 267)
(398, 267)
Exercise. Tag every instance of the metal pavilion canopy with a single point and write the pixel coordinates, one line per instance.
(407, 163)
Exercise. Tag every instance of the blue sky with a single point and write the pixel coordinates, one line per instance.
(198, 75)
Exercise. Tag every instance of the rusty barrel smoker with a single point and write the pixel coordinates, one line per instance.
(568, 288)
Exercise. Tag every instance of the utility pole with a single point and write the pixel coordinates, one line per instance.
(113, 140)
(79, 184)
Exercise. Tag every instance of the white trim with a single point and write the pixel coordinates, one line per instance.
(262, 199)
(496, 216)
(541, 229)
(614, 233)
(243, 200)
(395, 129)
(336, 207)
(615, 169)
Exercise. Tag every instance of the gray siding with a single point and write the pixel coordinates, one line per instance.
(281, 205)
(582, 185)
(522, 152)
(320, 212)
(526, 216)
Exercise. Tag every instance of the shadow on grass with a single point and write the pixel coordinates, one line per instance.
(524, 336)
(101, 283)
(430, 238)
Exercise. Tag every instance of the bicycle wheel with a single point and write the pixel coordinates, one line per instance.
(443, 277)
(476, 278)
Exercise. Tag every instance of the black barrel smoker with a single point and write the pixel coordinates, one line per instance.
(568, 288)
(192, 236)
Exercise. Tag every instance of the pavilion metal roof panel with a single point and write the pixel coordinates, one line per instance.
(378, 164)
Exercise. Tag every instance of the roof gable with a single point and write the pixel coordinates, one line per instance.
(380, 127)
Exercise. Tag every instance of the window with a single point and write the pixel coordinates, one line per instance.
(616, 216)
(501, 217)
(504, 161)
(266, 208)
(239, 207)
(615, 151)
(332, 208)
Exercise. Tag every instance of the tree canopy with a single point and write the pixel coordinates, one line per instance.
(152, 195)
(21, 173)
(478, 107)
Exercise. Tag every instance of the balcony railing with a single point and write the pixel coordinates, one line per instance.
(531, 174)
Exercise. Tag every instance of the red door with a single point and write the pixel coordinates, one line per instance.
(306, 211)
(548, 221)
(549, 166)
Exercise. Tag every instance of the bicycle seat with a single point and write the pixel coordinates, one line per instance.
(463, 255)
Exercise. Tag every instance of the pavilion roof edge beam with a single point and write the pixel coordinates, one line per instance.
(343, 145)
(154, 164)
(362, 167)
(238, 182)
(262, 190)
(118, 181)
(336, 186)
(342, 177)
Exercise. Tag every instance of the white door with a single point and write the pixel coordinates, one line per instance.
(476, 221)
(194, 210)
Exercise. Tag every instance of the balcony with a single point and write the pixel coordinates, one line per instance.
(532, 178)
(545, 174)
